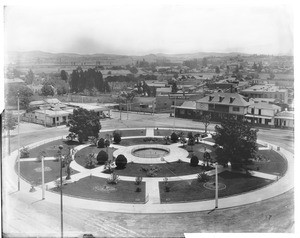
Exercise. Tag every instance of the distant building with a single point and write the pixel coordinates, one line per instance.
(285, 119)
(262, 113)
(166, 101)
(51, 111)
(266, 91)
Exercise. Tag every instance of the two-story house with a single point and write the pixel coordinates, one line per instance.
(219, 105)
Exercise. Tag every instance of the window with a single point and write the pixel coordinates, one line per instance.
(235, 109)
(259, 111)
(252, 110)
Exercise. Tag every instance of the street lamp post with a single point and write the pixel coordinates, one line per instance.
(18, 141)
(217, 186)
(127, 108)
(43, 178)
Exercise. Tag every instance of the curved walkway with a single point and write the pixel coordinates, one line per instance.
(283, 185)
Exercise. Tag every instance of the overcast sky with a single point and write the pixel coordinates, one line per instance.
(137, 29)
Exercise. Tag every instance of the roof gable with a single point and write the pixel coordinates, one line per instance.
(233, 99)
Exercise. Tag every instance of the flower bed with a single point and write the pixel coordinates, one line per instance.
(162, 170)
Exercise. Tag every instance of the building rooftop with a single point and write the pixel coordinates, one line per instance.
(220, 98)
(15, 80)
(264, 105)
(264, 88)
(188, 105)
(285, 115)
(89, 107)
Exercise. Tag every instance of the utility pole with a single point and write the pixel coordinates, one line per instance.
(174, 114)
(217, 186)
(18, 141)
(61, 194)
(127, 108)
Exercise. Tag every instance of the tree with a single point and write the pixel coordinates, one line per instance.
(9, 124)
(217, 70)
(206, 121)
(204, 62)
(121, 161)
(102, 157)
(84, 123)
(101, 143)
(191, 140)
(237, 142)
(64, 75)
(47, 90)
(174, 87)
(29, 77)
(25, 95)
(133, 70)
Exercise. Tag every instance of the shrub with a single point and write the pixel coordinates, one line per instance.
(24, 152)
(174, 137)
(194, 161)
(71, 137)
(93, 140)
(106, 143)
(102, 157)
(167, 139)
(152, 172)
(114, 179)
(121, 162)
(101, 143)
(166, 184)
(90, 161)
(117, 137)
(204, 135)
(108, 167)
(202, 177)
(138, 180)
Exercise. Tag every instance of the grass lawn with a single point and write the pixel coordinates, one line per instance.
(277, 164)
(192, 190)
(164, 170)
(139, 141)
(97, 189)
(125, 133)
(31, 171)
(81, 155)
(51, 148)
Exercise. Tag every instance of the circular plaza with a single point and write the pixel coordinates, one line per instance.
(158, 176)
